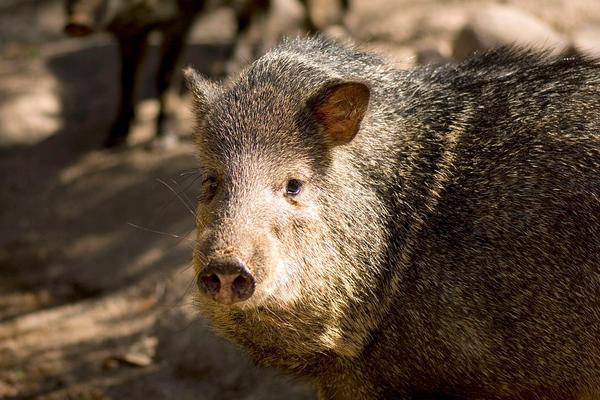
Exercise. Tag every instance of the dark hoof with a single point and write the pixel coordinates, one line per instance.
(115, 141)
(78, 30)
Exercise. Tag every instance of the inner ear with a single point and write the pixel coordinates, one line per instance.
(339, 108)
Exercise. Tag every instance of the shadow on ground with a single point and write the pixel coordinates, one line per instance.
(95, 250)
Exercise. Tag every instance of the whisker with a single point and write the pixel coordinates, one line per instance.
(190, 172)
(186, 238)
(179, 301)
(182, 191)
(189, 208)
(173, 235)
(187, 268)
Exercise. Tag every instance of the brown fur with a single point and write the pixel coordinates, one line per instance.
(448, 250)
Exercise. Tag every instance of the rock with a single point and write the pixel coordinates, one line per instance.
(33, 113)
(501, 25)
(325, 13)
(429, 55)
(586, 41)
(337, 32)
(140, 354)
(7, 390)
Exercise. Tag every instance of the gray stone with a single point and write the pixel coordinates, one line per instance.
(501, 25)
(586, 41)
(429, 55)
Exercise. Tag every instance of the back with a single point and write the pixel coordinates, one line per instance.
(500, 293)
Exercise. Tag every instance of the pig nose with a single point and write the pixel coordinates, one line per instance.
(227, 281)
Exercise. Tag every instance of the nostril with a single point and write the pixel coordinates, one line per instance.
(239, 281)
(226, 281)
(210, 283)
(243, 286)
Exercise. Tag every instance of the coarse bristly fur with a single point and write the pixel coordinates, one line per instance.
(449, 250)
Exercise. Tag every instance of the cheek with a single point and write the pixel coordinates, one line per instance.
(292, 252)
(301, 225)
(203, 233)
(203, 219)
(288, 227)
(297, 237)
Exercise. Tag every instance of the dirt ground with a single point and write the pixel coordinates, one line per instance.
(95, 245)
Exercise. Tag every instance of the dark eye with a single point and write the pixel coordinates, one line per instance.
(293, 188)
(209, 188)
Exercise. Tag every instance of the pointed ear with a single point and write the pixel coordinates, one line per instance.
(339, 108)
(203, 91)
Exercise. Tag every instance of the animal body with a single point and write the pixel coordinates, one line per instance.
(423, 234)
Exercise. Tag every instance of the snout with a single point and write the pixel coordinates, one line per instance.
(227, 281)
(79, 25)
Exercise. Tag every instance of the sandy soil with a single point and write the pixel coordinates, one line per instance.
(95, 245)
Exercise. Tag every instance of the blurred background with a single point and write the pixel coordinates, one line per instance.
(96, 201)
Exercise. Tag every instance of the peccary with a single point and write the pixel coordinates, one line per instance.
(423, 234)
(132, 21)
